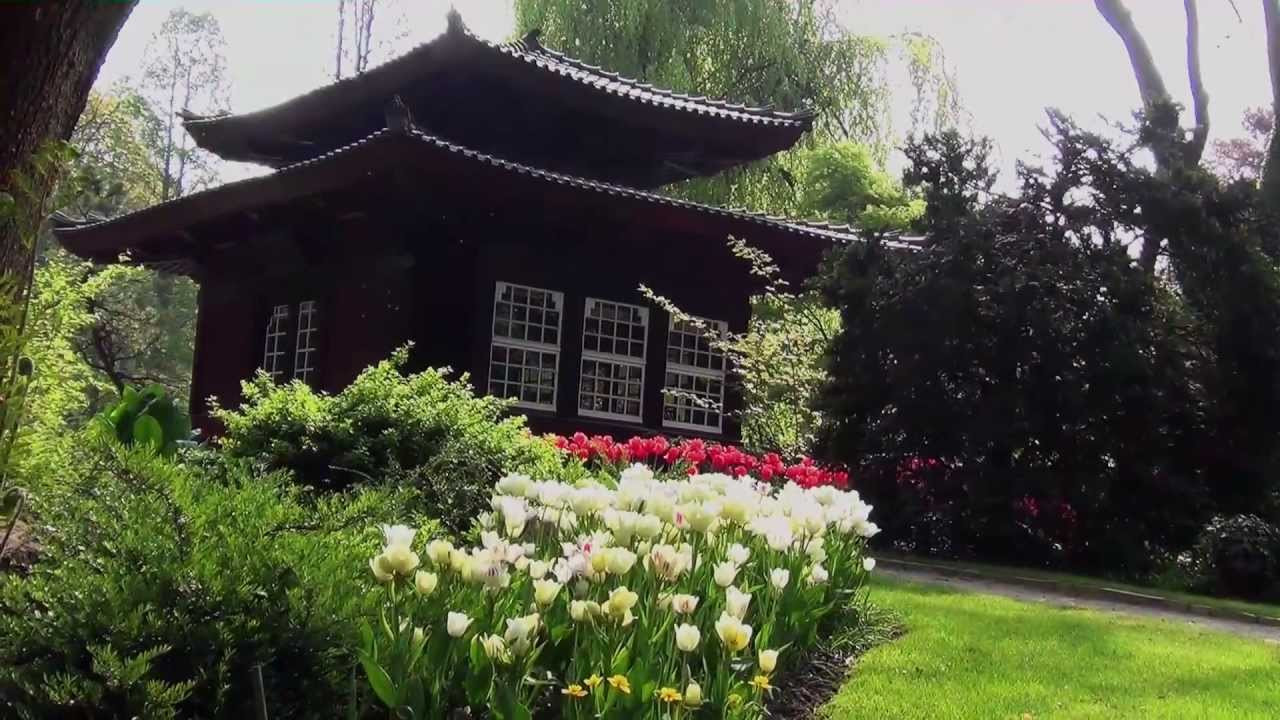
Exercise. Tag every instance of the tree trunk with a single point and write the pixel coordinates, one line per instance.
(1154, 93)
(51, 51)
(1271, 170)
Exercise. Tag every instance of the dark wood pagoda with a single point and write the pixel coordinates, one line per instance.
(491, 203)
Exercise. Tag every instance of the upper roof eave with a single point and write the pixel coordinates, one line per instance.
(224, 134)
(105, 240)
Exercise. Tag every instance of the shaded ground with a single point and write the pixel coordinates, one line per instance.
(1020, 592)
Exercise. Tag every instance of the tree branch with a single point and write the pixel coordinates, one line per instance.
(1150, 83)
(1271, 171)
(1199, 96)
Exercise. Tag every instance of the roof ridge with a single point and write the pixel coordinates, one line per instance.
(530, 50)
(807, 113)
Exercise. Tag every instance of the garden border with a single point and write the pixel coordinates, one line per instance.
(1128, 597)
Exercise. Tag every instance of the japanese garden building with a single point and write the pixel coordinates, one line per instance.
(495, 204)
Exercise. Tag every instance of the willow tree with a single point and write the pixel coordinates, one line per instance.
(773, 53)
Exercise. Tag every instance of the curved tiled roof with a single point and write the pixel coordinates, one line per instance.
(72, 233)
(288, 131)
(530, 51)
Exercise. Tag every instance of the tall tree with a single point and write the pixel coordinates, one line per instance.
(354, 40)
(1156, 99)
(140, 327)
(763, 52)
(185, 71)
(1271, 170)
(51, 52)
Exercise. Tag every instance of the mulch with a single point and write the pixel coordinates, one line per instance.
(803, 691)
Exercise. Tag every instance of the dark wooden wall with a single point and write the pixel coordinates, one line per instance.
(382, 283)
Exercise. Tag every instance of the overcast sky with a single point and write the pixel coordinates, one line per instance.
(1012, 58)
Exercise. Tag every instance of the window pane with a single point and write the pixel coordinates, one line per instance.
(525, 346)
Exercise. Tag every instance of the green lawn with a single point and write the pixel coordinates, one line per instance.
(979, 656)
(1256, 608)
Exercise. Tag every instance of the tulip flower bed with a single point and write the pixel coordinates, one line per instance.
(622, 596)
(692, 456)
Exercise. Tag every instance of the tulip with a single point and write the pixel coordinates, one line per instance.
(375, 564)
(736, 602)
(779, 577)
(398, 536)
(425, 583)
(693, 695)
(738, 554)
(620, 602)
(538, 569)
(648, 526)
(699, 517)
(457, 624)
(619, 561)
(545, 591)
(495, 648)
(869, 564)
(725, 573)
(515, 484)
(687, 637)
(818, 575)
(768, 661)
(733, 633)
(520, 633)
(398, 560)
(684, 604)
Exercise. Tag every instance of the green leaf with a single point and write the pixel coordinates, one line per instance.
(147, 431)
(380, 681)
(416, 696)
(366, 638)
(621, 662)
(506, 705)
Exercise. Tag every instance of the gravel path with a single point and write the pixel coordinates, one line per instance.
(1020, 592)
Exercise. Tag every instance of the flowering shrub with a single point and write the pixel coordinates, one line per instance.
(694, 456)
(625, 597)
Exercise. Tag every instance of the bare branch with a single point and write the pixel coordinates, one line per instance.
(1271, 171)
(1150, 83)
(1199, 96)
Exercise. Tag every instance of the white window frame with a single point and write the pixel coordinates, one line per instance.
(508, 343)
(273, 344)
(627, 361)
(710, 374)
(306, 347)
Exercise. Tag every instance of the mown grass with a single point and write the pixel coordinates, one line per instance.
(978, 656)
(1256, 608)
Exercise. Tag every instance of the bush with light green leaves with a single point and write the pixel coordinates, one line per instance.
(419, 430)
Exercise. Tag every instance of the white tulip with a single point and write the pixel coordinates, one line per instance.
(738, 554)
(687, 637)
(457, 624)
(869, 564)
(398, 536)
(725, 573)
(818, 575)
(779, 577)
(425, 583)
(684, 604)
(736, 602)
(545, 591)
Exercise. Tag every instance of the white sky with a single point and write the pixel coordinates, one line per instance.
(1013, 58)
